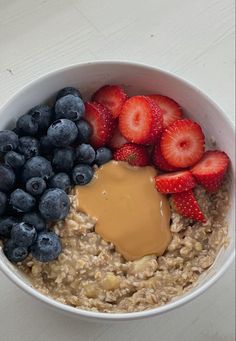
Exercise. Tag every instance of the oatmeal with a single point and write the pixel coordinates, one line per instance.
(90, 274)
(114, 204)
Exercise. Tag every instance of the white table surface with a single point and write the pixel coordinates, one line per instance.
(193, 39)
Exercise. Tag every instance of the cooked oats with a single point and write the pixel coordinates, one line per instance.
(91, 275)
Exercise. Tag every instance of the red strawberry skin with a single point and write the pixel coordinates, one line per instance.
(175, 182)
(112, 97)
(141, 120)
(211, 169)
(134, 154)
(170, 109)
(117, 140)
(102, 122)
(183, 143)
(159, 161)
(187, 205)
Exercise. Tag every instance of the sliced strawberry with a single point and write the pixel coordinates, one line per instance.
(211, 169)
(117, 140)
(112, 97)
(187, 205)
(133, 154)
(159, 161)
(140, 120)
(175, 182)
(182, 143)
(170, 109)
(102, 123)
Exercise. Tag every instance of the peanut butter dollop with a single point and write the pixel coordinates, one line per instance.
(129, 211)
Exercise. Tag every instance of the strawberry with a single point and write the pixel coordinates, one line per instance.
(133, 154)
(170, 109)
(140, 120)
(182, 143)
(117, 140)
(175, 182)
(102, 123)
(159, 161)
(112, 97)
(211, 169)
(187, 205)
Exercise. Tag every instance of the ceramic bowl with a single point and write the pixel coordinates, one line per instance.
(137, 79)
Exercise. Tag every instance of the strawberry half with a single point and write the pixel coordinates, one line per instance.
(102, 123)
(133, 154)
(117, 140)
(170, 109)
(112, 97)
(187, 205)
(183, 143)
(211, 169)
(175, 182)
(159, 161)
(140, 120)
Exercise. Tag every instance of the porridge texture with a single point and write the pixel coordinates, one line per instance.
(91, 275)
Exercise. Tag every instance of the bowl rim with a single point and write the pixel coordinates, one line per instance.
(180, 301)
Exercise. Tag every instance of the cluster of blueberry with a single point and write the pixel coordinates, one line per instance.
(43, 157)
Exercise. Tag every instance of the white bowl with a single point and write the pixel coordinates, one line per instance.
(137, 79)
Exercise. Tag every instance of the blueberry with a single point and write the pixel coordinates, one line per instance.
(35, 186)
(7, 178)
(42, 115)
(37, 166)
(47, 247)
(60, 180)
(85, 154)
(3, 202)
(54, 204)
(15, 253)
(84, 131)
(63, 159)
(28, 146)
(103, 155)
(6, 224)
(70, 107)
(35, 219)
(27, 126)
(46, 146)
(23, 234)
(22, 201)
(62, 133)
(8, 141)
(68, 91)
(14, 160)
(82, 174)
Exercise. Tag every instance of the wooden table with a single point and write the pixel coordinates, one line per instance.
(193, 39)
